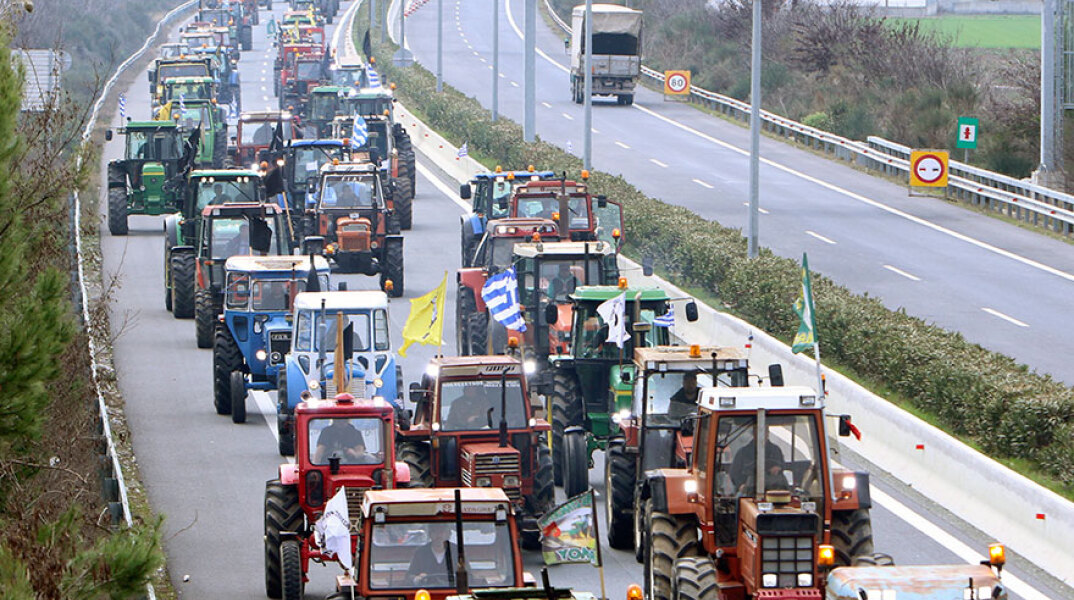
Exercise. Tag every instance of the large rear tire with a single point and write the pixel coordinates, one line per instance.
(393, 267)
(238, 397)
(566, 412)
(694, 578)
(671, 537)
(286, 437)
(544, 491)
(619, 474)
(227, 358)
(117, 211)
(416, 456)
(403, 200)
(204, 319)
(291, 584)
(852, 535)
(182, 285)
(575, 463)
(477, 329)
(282, 513)
(465, 306)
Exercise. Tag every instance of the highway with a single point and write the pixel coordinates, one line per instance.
(1001, 286)
(206, 475)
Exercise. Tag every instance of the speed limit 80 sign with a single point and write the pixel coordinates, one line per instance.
(676, 83)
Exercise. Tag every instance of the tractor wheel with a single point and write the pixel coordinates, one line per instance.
(544, 491)
(238, 397)
(291, 584)
(285, 439)
(628, 99)
(477, 328)
(694, 578)
(282, 513)
(227, 358)
(392, 267)
(852, 535)
(566, 411)
(671, 537)
(182, 285)
(204, 319)
(876, 559)
(466, 242)
(117, 211)
(465, 305)
(416, 456)
(219, 149)
(497, 333)
(639, 518)
(403, 199)
(619, 486)
(575, 463)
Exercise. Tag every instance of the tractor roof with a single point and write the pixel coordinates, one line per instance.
(912, 582)
(607, 292)
(354, 407)
(474, 366)
(518, 175)
(330, 89)
(430, 502)
(552, 186)
(344, 168)
(264, 115)
(682, 358)
(233, 209)
(316, 143)
(349, 300)
(522, 227)
(226, 174)
(140, 125)
(345, 62)
(276, 264)
(552, 249)
(188, 79)
(792, 397)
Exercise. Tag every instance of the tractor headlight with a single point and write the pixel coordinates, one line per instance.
(511, 481)
(621, 416)
(850, 482)
(261, 355)
(314, 385)
(276, 357)
(805, 580)
(769, 580)
(483, 482)
(378, 382)
(529, 367)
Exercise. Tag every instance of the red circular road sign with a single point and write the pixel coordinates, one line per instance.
(677, 83)
(929, 168)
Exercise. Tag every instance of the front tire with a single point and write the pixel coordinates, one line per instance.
(575, 463)
(671, 537)
(117, 211)
(393, 267)
(238, 397)
(619, 486)
(465, 306)
(852, 535)
(566, 412)
(182, 285)
(291, 584)
(204, 318)
(282, 513)
(227, 359)
(417, 457)
(694, 578)
(286, 439)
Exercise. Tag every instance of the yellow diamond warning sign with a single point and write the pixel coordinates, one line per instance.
(928, 168)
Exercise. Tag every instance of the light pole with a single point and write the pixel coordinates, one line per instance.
(439, 45)
(755, 129)
(587, 146)
(530, 110)
(495, 59)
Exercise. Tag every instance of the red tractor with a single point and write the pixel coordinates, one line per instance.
(758, 512)
(473, 427)
(284, 67)
(340, 443)
(570, 204)
(254, 133)
(300, 75)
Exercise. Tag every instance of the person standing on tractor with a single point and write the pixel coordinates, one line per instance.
(432, 562)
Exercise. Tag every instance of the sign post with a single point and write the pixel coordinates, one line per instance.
(676, 83)
(928, 168)
(967, 136)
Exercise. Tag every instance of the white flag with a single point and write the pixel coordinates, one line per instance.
(334, 529)
(613, 312)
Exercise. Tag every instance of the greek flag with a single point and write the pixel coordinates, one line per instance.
(122, 106)
(182, 105)
(500, 293)
(464, 150)
(667, 319)
(359, 133)
(374, 79)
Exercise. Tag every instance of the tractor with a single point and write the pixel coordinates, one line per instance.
(592, 384)
(353, 221)
(179, 90)
(210, 119)
(178, 66)
(343, 443)
(759, 511)
(924, 582)
(286, 59)
(348, 74)
(569, 204)
(181, 230)
(311, 360)
(299, 75)
(239, 25)
(299, 162)
(326, 102)
(473, 427)
(255, 334)
(657, 432)
(150, 178)
(489, 194)
(377, 102)
(397, 166)
(394, 525)
(223, 68)
(255, 132)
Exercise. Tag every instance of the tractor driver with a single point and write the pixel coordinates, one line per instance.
(431, 564)
(240, 244)
(469, 411)
(220, 197)
(743, 468)
(563, 283)
(684, 401)
(342, 439)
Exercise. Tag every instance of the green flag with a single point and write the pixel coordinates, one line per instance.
(807, 330)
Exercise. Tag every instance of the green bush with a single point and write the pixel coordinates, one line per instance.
(986, 397)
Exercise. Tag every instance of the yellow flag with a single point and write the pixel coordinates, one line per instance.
(425, 325)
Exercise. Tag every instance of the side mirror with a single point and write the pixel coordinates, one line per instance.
(551, 314)
(341, 286)
(108, 135)
(378, 477)
(602, 201)
(691, 311)
(260, 236)
(844, 425)
(465, 192)
(416, 393)
(775, 375)
(647, 266)
(311, 186)
(313, 244)
(641, 327)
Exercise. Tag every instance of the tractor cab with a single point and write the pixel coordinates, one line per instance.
(188, 89)
(760, 490)
(171, 50)
(344, 443)
(325, 104)
(248, 351)
(473, 427)
(210, 120)
(922, 582)
(352, 75)
(166, 68)
(301, 162)
(317, 321)
(150, 178)
(490, 195)
(255, 131)
(570, 204)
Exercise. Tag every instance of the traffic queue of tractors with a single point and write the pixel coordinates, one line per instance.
(719, 479)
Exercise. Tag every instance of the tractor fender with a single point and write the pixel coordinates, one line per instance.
(851, 490)
(117, 175)
(402, 473)
(297, 382)
(171, 231)
(289, 474)
(665, 488)
(182, 250)
(474, 278)
(477, 224)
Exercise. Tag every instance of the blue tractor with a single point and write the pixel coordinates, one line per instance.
(489, 194)
(250, 343)
(310, 365)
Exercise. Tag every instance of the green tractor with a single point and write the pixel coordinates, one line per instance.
(325, 104)
(150, 178)
(210, 119)
(592, 385)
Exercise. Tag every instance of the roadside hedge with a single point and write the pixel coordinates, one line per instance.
(982, 396)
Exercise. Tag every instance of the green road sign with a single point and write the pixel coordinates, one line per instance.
(967, 133)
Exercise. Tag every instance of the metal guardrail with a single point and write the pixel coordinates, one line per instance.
(113, 485)
(1022, 200)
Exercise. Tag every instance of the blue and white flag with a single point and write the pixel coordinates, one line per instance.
(667, 319)
(360, 132)
(570, 147)
(182, 105)
(464, 150)
(500, 293)
(122, 106)
(374, 79)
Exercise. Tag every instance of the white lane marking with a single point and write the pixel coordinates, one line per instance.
(268, 410)
(476, 53)
(503, 76)
(264, 79)
(514, 83)
(820, 237)
(264, 88)
(763, 211)
(622, 145)
(444, 189)
(903, 273)
(658, 163)
(703, 184)
(546, 105)
(264, 98)
(482, 60)
(1009, 319)
(568, 117)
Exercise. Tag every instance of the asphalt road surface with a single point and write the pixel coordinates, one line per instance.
(206, 475)
(1001, 286)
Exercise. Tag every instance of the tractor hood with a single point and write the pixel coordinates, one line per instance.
(914, 582)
